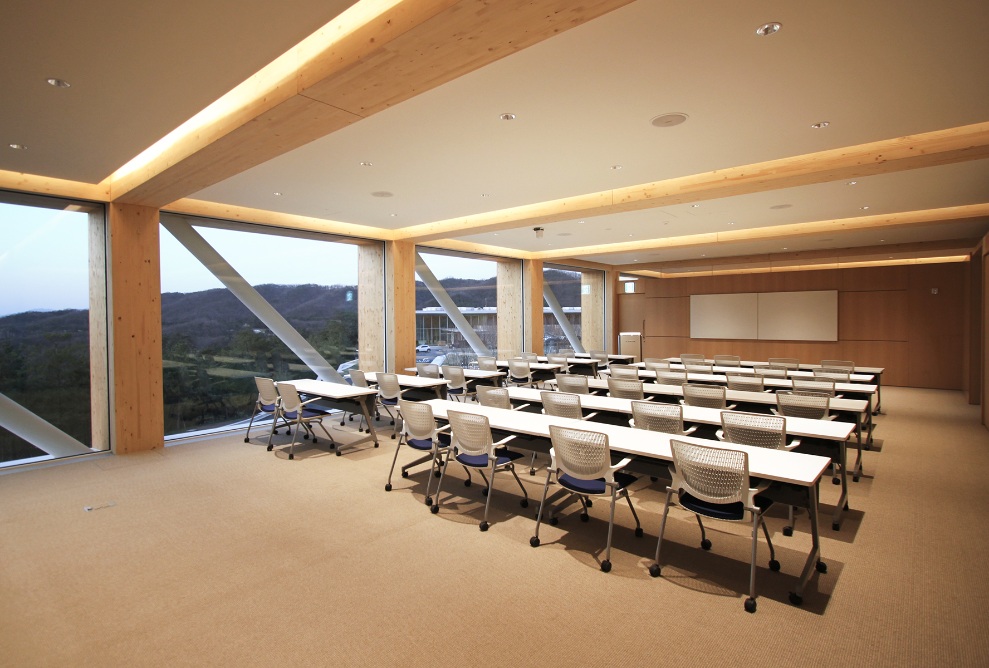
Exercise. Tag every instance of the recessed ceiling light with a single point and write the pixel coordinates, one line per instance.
(382, 193)
(634, 260)
(731, 223)
(616, 167)
(393, 215)
(631, 235)
(17, 147)
(770, 28)
(58, 83)
(822, 124)
(364, 163)
(703, 254)
(852, 183)
(695, 206)
(277, 194)
(580, 222)
(565, 234)
(882, 240)
(865, 208)
(507, 117)
(669, 120)
(485, 194)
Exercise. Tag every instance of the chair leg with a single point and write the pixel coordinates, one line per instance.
(655, 569)
(750, 604)
(434, 456)
(291, 448)
(532, 464)
(525, 495)
(705, 543)
(394, 459)
(487, 504)
(638, 525)
(773, 564)
(534, 541)
(606, 564)
(435, 508)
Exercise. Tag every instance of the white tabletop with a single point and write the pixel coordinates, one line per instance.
(480, 374)
(805, 428)
(329, 390)
(751, 363)
(768, 381)
(748, 371)
(409, 381)
(791, 467)
(533, 366)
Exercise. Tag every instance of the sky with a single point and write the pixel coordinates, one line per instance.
(44, 260)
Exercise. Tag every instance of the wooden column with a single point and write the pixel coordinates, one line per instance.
(532, 305)
(509, 308)
(134, 286)
(371, 306)
(400, 304)
(592, 316)
(99, 379)
(611, 288)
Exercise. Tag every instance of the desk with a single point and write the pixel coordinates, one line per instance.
(614, 357)
(792, 373)
(832, 431)
(801, 471)
(540, 370)
(341, 396)
(419, 388)
(473, 375)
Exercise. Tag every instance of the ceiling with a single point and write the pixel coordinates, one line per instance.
(583, 102)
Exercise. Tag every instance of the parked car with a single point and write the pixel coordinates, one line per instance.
(422, 348)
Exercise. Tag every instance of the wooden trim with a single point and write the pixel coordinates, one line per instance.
(47, 185)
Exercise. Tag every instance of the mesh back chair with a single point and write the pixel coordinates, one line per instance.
(529, 357)
(572, 383)
(389, 392)
(519, 373)
(787, 362)
(756, 429)
(816, 384)
(487, 363)
(698, 367)
(747, 382)
(420, 433)
(772, 370)
(567, 352)
(581, 462)
(624, 371)
(655, 359)
(667, 418)
(705, 396)
(561, 360)
(839, 364)
(625, 388)
(661, 365)
(671, 377)
(458, 387)
(267, 402)
(602, 359)
(714, 483)
(727, 360)
(809, 405)
(357, 379)
(473, 448)
(293, 410)
(427, 370)
(692, 358)
(563, 404)
(834, 373)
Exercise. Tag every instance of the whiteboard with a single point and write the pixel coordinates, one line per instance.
(775, 316)
(733, 316)
(799, 316)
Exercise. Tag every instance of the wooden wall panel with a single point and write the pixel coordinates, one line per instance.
(936, 336)
(509, 307)
(592, 317)
(973, 330)
(371, 306)
(873, 316)
(825, 279)
(631, 312)
(668, 316)
(873, 278)
(532, 306)
(400, 278)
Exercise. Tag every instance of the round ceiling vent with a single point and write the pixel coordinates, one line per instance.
(669, 120)
(381, 193)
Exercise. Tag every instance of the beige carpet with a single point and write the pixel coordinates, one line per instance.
(220, 553)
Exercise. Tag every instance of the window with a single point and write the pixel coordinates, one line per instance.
(573, 315)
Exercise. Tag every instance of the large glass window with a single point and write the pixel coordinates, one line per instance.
(573, 315)
(286, 308)
(46, 394)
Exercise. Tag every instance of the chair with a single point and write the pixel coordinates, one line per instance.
(292, 409)
(389, 392)
(714, 483)
(529, 357)
(427, 370)
(487, 363)
(816, 384)
(661, 365)
(727, 360)
(809, 405)
(839, 364)
(671, 377)
(837, 374)
(755, 429)
(519, 373)
(602, 359)
(695, 367)
(691, 358)
(420, 433)
(746, 382)
(572, 383)
(267, 402)
(561, 360)
(567, 352)
(624, 371)
(457, 386)
(563, 404)
(705, 396)
(581, 462)
(473, 448)
(667, 418)
(772, 371)
(358, 379)
(787, 362)
(625, 388)
(655, 359)
(496, 397)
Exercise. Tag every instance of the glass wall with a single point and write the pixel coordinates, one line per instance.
(46, 401)
(562, 317)
(214, 342)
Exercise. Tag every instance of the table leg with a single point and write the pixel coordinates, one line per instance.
(813, 557)
(879, 394)
(843, 499)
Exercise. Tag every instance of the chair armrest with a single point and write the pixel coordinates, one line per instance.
(445, 427)
(520, 407)
(720, 434)
(620, 465)
(731, 407)
(631, 423)
(648, 397)
(795, 443)
(690, 430)
(830, 417)
(503, 441)
(775, 412)
(589, 416)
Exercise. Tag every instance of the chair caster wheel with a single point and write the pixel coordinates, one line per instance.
(590, 503)
(270, 447)
(835, 481)
(553, 521)
(653, 478)
(606, 566)
(342, 423)
(405, 474)
(434, 509)
(822, 567)
(774, 565)
(375, 445)
(796, 600)
(388, 487)
(467, 483)
(655, 570)
(534, 541)
(855, 478)
(787, 531)
(484, 492)
(531, 471)
(706, 544)
(835, 526)
(524, 503)
(484, 526)
(306, 437)
(291, 456)
(247, 440)
(393, 437)
(429, 501)
(584, 517)
(437, 474)
(339, 453)
(750, 605)
(638, 532)
(392, 423)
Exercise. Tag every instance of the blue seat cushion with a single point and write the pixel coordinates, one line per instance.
(720, 511)
(502, 456)
(427, 443)
(268, 408)
(455, 390)
(306, 414)
(596, 486)
(390, 402)
(519, 380)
